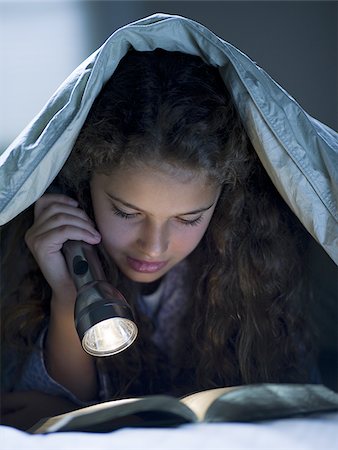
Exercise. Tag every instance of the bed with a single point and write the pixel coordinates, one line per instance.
(304, 433)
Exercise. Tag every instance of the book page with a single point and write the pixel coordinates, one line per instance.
(271, 401)
(56, 422)
(156, 410)
(200, 401)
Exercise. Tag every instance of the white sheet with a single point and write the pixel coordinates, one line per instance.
(311, 433)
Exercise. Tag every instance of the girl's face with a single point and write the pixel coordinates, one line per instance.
(150, 220)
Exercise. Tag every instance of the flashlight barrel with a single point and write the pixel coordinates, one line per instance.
(83, 263)
(97, 303)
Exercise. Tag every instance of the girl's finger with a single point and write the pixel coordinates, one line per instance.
(55, 219)
(47, 199)
(56, 211)
(52, 240)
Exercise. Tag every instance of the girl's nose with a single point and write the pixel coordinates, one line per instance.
(153, 240)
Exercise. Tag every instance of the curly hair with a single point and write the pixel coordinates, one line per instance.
(245, 322)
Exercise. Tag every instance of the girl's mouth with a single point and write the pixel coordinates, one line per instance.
(145, 266)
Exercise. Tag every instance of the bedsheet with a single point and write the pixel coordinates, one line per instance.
(317, 432)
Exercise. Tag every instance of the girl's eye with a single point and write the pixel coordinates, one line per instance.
(118, 212)
(191, 222)
(122, 214)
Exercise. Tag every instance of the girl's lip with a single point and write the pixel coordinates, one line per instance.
(145, 266)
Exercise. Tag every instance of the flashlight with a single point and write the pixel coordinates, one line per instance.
(103, 318)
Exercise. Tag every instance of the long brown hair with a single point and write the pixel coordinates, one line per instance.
(245, 321)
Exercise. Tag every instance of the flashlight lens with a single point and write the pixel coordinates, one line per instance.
(109, 337)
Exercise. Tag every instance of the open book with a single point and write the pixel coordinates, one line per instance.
(239, 403)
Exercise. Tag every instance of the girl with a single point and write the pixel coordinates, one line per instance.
(164, 180)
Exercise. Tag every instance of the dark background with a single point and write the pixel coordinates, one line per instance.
(41, 42)
(294, 41)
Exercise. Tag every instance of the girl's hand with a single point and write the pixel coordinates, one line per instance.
(23, 409)
(57, 219)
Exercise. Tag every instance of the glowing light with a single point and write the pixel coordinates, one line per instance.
(109, 337)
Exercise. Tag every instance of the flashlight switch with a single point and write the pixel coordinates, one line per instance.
(80, 266)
